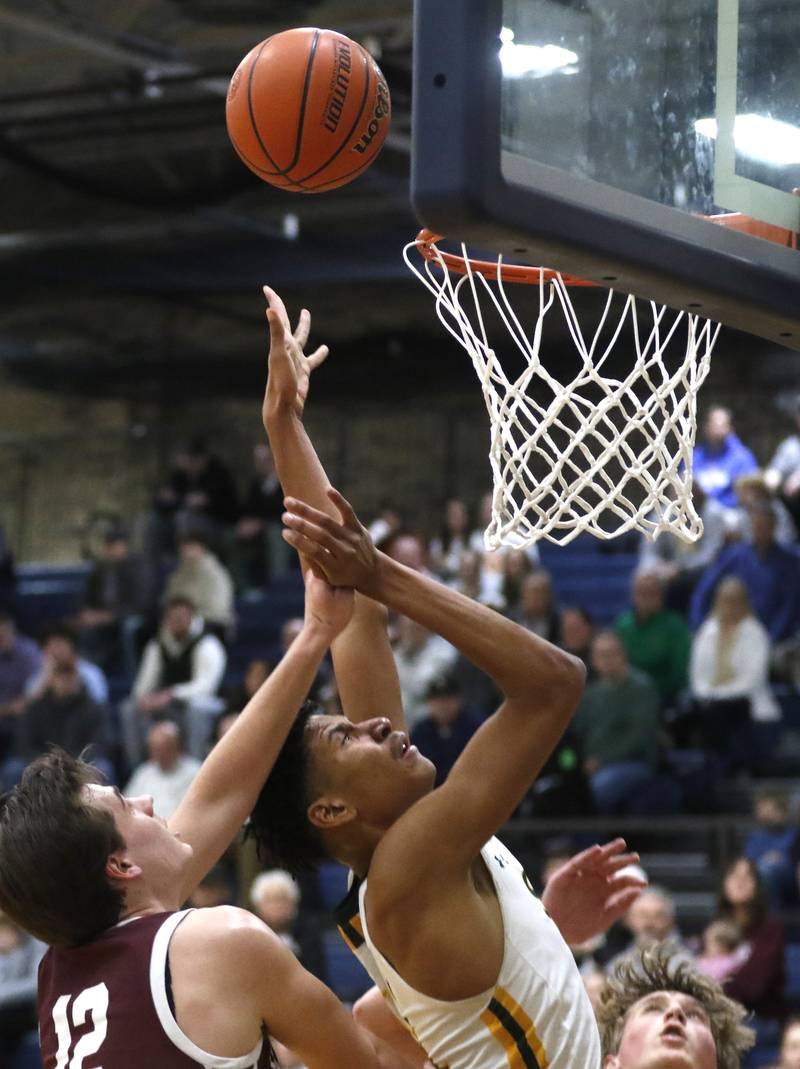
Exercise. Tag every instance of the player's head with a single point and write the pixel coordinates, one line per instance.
(335, 789)
(74, 855)
(658, 1012)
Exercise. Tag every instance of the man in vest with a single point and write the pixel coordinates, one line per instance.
(178, 678)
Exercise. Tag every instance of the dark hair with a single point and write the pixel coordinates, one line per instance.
(757, 908)
(284, 836)
(7, 617)
(53, 853)
(657, 969)
(58, 629)
(179, 600)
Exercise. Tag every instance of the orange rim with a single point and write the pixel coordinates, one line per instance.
(778, 235)
(426, 242)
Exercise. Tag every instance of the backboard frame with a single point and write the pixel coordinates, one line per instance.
(577, 225)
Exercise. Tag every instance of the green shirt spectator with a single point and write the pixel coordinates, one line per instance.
(657, 641)
(618, 720)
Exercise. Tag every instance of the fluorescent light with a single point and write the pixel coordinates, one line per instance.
(533, 60)
(760, 138)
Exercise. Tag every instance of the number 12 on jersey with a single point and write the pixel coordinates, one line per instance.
(92, 1003)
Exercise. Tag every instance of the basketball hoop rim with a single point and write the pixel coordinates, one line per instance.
(426, 243)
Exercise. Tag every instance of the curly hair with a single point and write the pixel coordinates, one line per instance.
(656, 969)
(284, 836)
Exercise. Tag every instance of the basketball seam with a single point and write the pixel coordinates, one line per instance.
(251, 113)
(304, 101)
(346, 139)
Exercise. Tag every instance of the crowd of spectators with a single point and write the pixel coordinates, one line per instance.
(687, 669)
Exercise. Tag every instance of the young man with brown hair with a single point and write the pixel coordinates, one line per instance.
(131, 978)
(657, 1012)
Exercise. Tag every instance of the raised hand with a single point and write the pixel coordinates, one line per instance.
(327, 607)
(289, 367)
(586, 895)
(343, 552)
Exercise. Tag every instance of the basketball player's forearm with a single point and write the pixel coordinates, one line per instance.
(517, 660)
(299, 469)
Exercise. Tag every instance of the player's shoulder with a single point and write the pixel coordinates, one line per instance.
(224, 934)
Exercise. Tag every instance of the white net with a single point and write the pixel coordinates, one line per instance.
(609, 449)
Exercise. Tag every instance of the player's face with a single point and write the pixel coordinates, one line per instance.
(149, 843)
(371, 767)
(665, 1030)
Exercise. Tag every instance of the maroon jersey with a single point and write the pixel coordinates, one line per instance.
(108, 1005)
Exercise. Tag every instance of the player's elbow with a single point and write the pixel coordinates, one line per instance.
(560, 682)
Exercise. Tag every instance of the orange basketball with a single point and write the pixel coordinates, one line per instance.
(308, 110)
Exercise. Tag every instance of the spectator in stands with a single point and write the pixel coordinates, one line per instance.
(680, 565)
(783, 471)
(752, 491)
(199, 495)
(651, 921)
(202, 579)
(537, 610)
(259, 547)
(167, 773)
(420, 658)
(411, 549)
(275, 898)
(116, 600)
(516, 565)
(59, 647)
(758, 981)
(576, 628)
(20, 663)
(656, 640)
(255, 673)
(651, 992)
(721, 953)
(728, 677)
(20, 955)
(448, 546)
(65, 715)
(178, 679)
(790, 1045)
(218, 888)
(771, 574)
(617, 725)
(773, 847)
(720, 458)
(448, 727)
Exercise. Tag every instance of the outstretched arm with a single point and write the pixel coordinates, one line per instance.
(541, 684)
(362, 657)
(226, 788)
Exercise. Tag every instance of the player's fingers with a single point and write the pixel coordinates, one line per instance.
(614, 864)
(314, 553)
(619, 904)
(346, 511)
(303, 328)
(312, 531)
(318, 356)
(308, 512)
(277, 305)
(615, 846)
(588, 858)
(623, 883)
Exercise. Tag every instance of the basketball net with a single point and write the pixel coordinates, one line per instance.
(601, 453)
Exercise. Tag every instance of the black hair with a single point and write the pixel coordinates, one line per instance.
(58, 629)
(284, 836)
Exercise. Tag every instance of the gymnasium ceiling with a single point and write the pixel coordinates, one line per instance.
(133, 241)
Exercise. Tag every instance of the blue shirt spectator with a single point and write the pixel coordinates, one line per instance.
(443, 734)
(59, 647)
(770, 572)
(721, 458)
(20, 661)
(772, 847)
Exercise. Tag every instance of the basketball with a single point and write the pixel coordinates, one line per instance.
(308, 110)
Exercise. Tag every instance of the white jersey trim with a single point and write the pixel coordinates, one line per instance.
(158, 989)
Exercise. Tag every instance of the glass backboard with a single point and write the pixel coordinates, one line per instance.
(606, 137)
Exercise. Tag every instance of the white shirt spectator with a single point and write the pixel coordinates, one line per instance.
(208, 662)
(748, 666)
(420, 658)
(167, 788)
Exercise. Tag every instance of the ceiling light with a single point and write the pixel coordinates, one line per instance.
(519, 61)
(760, 138)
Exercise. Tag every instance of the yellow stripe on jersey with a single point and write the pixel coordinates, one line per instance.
(510, 1025)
